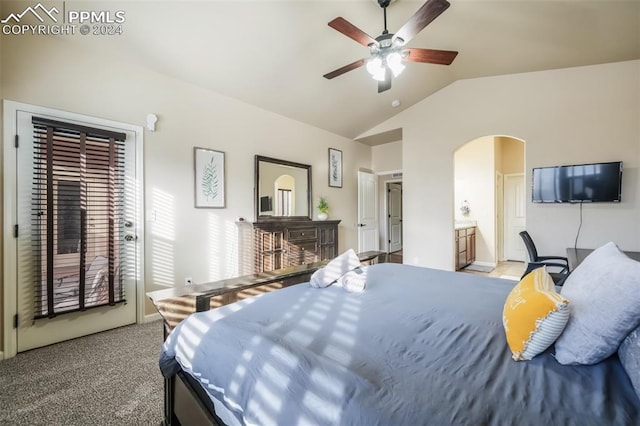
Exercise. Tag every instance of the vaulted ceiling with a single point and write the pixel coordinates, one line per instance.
(273, 54)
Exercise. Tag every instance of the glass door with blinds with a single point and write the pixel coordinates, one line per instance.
(77, 255)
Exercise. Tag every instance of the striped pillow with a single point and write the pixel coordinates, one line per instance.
(534, 315)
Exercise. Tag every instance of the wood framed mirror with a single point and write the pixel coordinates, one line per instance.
(282, 190)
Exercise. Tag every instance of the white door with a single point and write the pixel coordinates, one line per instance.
(515, 216)
(368, 232)
(394, 206)
(36, 327)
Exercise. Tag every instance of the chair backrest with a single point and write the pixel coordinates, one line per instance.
(531, 247)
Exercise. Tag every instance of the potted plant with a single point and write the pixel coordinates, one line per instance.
(323, 208)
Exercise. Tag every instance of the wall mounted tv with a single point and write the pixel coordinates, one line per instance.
(588, 183)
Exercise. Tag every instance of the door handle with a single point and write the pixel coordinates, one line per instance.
(130, 237)
(361, 225)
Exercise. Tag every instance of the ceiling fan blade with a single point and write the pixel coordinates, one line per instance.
(427, 13)
(346, 68)
(347, 28)
(430, 56)
(386, 83)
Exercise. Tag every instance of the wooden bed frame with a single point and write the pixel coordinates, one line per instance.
(185, 402)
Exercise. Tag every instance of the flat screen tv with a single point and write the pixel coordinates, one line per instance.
(265, 204)
(582, 183)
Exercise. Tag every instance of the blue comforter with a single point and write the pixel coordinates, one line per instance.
(418, 347)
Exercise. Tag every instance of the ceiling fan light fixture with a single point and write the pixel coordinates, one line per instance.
(376, 68)
(394, 61)
(380, 75)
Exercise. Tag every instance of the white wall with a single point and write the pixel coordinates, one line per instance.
(183, 241)
(387, 157)
(567, 116)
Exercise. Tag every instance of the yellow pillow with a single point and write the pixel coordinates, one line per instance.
(534, 315)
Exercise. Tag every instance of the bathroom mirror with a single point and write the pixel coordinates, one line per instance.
(282, 189)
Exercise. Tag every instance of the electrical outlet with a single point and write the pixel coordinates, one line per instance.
(188, 281)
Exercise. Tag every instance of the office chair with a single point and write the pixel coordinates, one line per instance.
(536, 261)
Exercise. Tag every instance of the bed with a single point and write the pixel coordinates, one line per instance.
(417, 346)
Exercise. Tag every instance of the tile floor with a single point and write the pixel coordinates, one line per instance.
(508, 268)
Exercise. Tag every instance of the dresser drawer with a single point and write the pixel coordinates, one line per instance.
(303, 234)
(303, 246)
(302, 252)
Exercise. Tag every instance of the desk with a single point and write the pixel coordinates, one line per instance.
(576, 256)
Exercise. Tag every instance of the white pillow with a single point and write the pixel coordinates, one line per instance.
(605, 306)
(629, 354)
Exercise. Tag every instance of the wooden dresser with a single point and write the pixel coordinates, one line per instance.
(284, 243)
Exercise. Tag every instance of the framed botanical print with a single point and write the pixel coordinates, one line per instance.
(209, 178)
(335, 168)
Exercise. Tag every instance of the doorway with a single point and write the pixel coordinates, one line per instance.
(368, 226)
(76, 215)
(482, 168)
(514, 216)
(394, 217)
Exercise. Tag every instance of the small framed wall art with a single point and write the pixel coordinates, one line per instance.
(209, 178)
(335, 168)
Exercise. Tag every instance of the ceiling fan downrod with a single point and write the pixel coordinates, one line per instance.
(383, 4)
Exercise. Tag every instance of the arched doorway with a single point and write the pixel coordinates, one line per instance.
(285, 192)
(489, 200)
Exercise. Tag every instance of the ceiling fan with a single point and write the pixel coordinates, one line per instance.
(387, 53)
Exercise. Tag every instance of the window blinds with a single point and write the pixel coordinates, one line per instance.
(77, 214)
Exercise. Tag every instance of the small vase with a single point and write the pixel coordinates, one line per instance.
(322, 216)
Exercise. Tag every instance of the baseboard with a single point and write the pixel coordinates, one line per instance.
(1, 356)
(152, 317)
(490, 264)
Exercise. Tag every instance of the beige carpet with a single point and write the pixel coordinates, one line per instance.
(109, 378)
